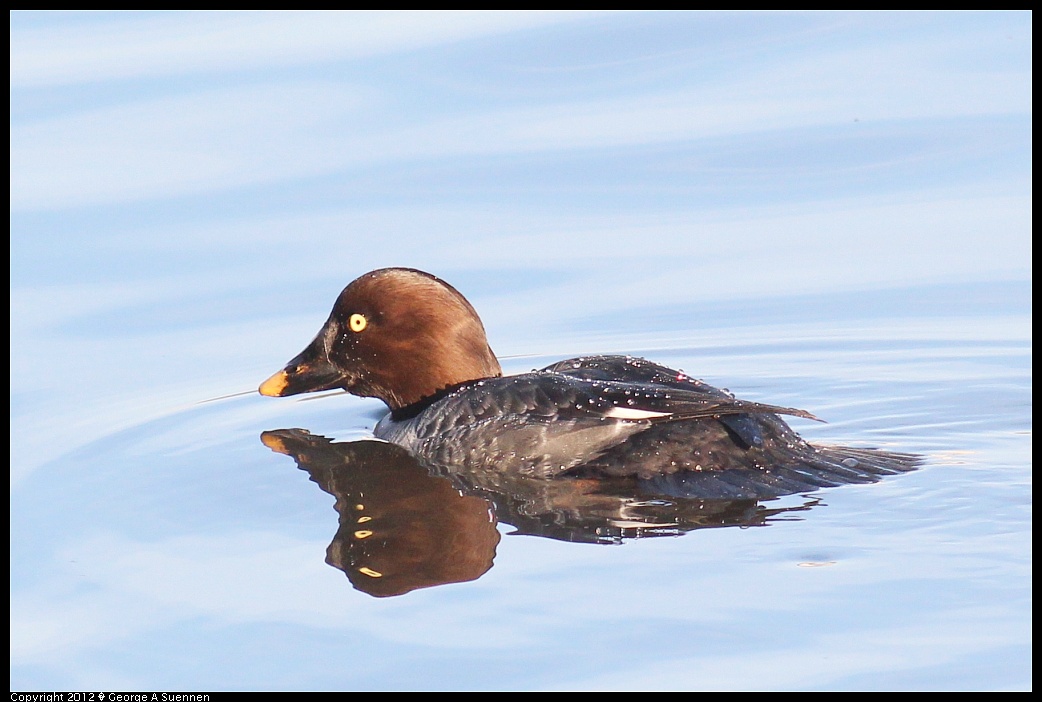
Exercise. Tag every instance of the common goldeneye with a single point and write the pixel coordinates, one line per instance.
(416, 343)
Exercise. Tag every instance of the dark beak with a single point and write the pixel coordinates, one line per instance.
(310, 371)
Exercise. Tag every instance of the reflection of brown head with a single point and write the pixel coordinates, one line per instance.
(400, 528)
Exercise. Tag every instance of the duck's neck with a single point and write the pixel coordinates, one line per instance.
(411, 410)
(425, 378)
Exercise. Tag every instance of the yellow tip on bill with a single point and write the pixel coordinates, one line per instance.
(274, 442)
(273, 386)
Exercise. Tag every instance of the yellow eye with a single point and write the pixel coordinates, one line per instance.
(357, 322)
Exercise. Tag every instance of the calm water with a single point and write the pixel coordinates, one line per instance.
(826, 211)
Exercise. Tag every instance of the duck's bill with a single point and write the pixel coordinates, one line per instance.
(310, 371)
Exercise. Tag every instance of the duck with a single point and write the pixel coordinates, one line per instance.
(412, 340)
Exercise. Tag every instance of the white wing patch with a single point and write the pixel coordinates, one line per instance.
(630, 413)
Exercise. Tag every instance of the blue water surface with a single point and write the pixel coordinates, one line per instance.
(829, 211)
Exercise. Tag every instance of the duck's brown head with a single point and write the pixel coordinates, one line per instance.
(395, 333)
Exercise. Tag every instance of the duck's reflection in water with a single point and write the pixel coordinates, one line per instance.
(405, 526)
(400, 529)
